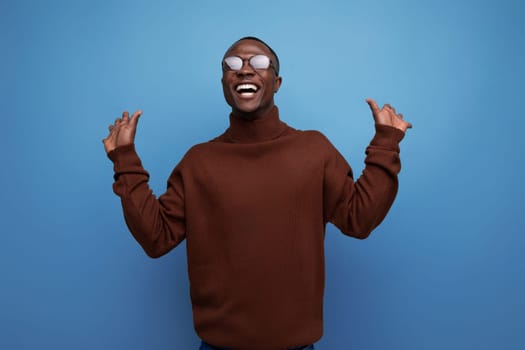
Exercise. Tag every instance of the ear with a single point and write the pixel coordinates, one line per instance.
(277, 84)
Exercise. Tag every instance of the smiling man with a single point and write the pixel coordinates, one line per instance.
(248, 90)
(253, 204)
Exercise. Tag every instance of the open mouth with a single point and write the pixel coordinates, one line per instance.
(246, 90)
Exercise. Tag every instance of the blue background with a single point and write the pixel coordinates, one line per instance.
(445, 270)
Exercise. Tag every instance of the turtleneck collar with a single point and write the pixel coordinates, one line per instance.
(261, 129)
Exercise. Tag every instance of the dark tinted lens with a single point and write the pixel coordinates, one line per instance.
(233, 62)
(260, 62)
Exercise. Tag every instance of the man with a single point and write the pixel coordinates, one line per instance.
(252, 205)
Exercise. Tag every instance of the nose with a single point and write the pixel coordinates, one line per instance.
(246, 68)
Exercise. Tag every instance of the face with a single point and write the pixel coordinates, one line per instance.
(259, 100)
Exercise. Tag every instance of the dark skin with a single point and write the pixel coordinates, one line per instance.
(123, 131)
(262, 102)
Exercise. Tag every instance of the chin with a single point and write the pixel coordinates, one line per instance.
(247, 107)
(247, 110)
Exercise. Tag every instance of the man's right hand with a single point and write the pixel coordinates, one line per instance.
(122, 132)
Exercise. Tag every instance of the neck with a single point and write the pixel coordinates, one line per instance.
(258, 128)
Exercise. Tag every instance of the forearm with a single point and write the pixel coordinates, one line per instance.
(154, 227)
(365, 202)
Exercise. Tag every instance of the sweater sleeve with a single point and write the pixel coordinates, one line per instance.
(158, 225)
(357, 208)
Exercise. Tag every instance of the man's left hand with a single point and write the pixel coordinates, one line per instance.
(388, 116)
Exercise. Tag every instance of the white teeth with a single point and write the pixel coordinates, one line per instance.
(246, 87)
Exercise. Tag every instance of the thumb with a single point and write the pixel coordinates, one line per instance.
(373, 106)
(135, 118)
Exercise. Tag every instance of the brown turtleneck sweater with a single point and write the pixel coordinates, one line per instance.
(253, 204)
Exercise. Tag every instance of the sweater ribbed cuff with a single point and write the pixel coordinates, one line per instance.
(125, 160)
(387, 137)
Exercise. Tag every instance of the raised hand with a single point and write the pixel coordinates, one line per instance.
(122, 132)
(388, 116)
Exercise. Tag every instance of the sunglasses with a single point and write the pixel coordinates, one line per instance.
(257, 62)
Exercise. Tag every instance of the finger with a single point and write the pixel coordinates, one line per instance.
(390, 107)
(110, 128)
(403, 125)
(373, 105)
(135, 117)
(391, 111)
(108, 146)
(125, 116)
(117, 121)
(111, 135)
(400, 116)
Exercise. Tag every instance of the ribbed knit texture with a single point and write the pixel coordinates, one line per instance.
(253, 204)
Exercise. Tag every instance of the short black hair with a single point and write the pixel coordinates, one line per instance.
(265, 44)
